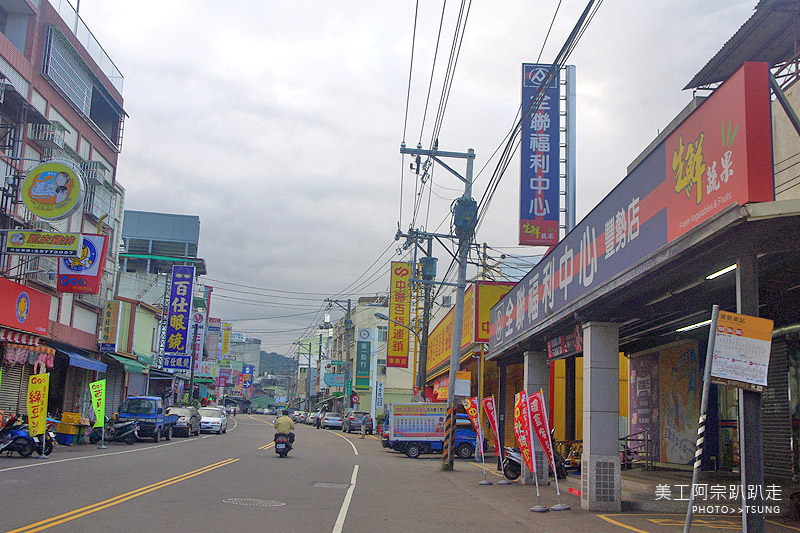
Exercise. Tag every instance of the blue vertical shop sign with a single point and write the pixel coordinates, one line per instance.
(179, 331)
(540, 185)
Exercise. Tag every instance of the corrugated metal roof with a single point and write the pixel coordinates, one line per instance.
(769, 36)
(161, 226)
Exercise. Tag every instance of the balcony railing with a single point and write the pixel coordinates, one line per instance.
(49, 136)
(96, 172)
(89, 42)
(43, 270)
(91, 299)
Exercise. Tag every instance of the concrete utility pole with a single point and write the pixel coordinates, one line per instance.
(348, 327)
(464, 218)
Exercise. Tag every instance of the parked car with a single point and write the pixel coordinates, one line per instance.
(213, 419)
(352, 421)
(331, 420)
(188, 420)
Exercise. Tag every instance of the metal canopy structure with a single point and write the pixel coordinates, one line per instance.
(771, 35)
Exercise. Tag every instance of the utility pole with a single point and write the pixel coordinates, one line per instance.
(465, 217)
(348, 332)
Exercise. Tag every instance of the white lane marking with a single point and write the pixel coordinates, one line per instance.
(355, 451)
(337, 528)
(45, 463)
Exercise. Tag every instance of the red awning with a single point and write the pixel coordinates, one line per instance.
(9, 335)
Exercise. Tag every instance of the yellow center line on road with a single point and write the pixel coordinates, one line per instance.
(488, 469)
(83, 511)
(267, 446)
(620, 524)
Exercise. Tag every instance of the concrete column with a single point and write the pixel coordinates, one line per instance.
(537, 376)
(601, 482)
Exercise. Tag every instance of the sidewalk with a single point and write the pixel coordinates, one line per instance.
(515, 500)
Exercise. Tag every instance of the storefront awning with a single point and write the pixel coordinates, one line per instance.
(204, 380)
(9, 335)
(81, 361)
(131, 365)
(145, 359)
(160, 374)
(333, 397)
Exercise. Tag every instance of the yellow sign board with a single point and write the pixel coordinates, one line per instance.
(53, 190)
(475, 325)
(741, 351)
(38, 389)
(44, 243)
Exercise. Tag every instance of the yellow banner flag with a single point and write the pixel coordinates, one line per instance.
(38, 388)
(98, 391)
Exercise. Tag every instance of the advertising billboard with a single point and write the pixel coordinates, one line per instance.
(53, 190)
(540, 183)
(176, 339)
(399, 311)
(23, 308)
(82, 274)
(44, 243)
(717, 158)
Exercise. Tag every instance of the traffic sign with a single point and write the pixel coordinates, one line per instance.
(355, 399)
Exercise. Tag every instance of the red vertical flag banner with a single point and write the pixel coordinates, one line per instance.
(399, 312)
(522, 429)
(471, 406)
(491, 413)
(540, 425)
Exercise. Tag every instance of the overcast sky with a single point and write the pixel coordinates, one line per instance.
(279, 125)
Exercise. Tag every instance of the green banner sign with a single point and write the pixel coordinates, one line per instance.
(348, 389)
(363, 352)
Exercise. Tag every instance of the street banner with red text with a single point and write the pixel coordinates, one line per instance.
(540, 424)
(490, 409)
(98, 391)
(522, 429)
(38, 388)
(471, 406)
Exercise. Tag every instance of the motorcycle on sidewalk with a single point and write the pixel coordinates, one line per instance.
(13, 438)
(127, 432)
(512, 463)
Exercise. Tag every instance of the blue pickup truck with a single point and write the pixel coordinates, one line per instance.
(149, 411)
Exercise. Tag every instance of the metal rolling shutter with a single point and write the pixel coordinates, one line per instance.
(14, 388)
(137, 384)
(776, 419)
(115, 380)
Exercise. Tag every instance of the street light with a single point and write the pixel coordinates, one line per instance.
(418, 381)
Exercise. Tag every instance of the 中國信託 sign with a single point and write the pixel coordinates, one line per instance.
(741, 351)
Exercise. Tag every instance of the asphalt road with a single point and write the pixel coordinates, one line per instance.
(330, 482)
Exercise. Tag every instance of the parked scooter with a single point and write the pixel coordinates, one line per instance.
(49, 437)
(127, 432)
(512, 464)
(15, 439)
(282, 444)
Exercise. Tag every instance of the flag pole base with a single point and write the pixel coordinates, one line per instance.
(560, 507)
(485, 482)
(42, 456)
(505, 482)
(539, 509)
(102, 447)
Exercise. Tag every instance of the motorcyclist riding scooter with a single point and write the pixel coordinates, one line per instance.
(284, 437)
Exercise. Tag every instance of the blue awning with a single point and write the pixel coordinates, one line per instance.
(82, 361)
